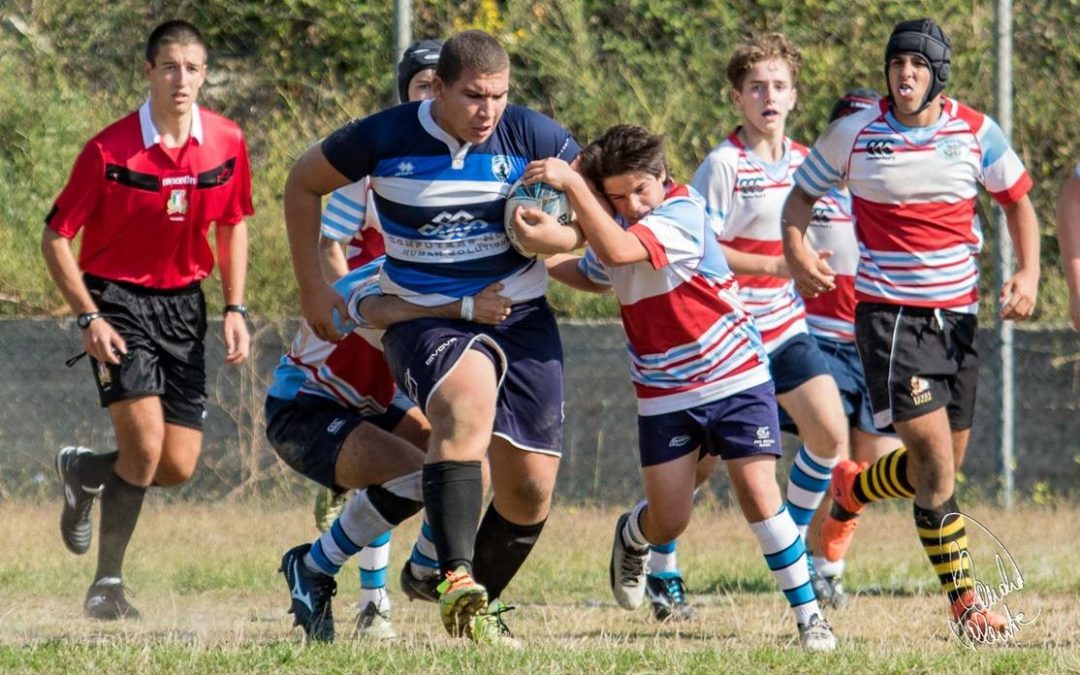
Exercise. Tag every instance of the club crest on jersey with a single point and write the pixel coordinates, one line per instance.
(951, 148)
(500, 167)
(177, 204)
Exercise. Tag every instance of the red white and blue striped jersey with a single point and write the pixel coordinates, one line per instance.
(832, 315)
(913, 197)
(744, 197)
(352, 372)
(691, 340)
(349, 218)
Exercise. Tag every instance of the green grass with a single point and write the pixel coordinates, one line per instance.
(204, 577)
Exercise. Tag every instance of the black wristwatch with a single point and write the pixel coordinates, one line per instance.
(239, 309)
(84, 319)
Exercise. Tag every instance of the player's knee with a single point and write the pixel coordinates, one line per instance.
(170, 473)
(529, 499)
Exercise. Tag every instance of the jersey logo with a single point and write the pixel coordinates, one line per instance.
(405, 169)
(500, 167)
(219, 175)
(819, 217)
(177, 204)
(751, 187)
(951, 148)
(879, 149)
(446, 225)
(679, 441)
(920, 391)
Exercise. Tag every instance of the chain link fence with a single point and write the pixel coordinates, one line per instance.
(46, 405)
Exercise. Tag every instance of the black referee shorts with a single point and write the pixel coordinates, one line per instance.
(917, 360)
(164, 332)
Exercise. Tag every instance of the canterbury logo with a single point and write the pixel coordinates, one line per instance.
(751, 186)
(819, 217)
(879, 149)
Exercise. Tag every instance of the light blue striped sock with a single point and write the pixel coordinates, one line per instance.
(785, 554)
(374, 559)
(807, 484)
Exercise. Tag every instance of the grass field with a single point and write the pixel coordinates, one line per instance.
(204, 579)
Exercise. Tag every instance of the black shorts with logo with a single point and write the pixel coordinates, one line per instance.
(164, 332)
(917, 360)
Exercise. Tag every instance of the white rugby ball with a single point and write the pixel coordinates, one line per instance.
(535, 196)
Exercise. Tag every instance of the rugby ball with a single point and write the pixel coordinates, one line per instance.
(535, 196)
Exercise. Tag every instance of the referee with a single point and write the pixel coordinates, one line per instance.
(144, 193)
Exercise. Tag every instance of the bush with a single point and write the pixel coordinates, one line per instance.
(289, 71)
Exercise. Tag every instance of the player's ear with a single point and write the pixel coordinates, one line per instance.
(438, 88)
(147, 67)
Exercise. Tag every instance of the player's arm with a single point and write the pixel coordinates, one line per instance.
(232, 255)
(742, 262)
(1068, 232)
(811, 273)
(311, 177)
(100, 340)
(487, 307)
(1019, 293)
(332, 254)
(565, 268)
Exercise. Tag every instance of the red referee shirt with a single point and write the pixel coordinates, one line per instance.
(147, 215)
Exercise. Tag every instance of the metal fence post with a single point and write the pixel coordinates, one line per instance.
(1004, 94)
(402, 27)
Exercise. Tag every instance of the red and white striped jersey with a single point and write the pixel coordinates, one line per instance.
(691, 340)
(744, 198)
(913, 197)
(832, 315)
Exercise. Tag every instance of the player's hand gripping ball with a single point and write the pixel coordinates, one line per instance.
(536, 196)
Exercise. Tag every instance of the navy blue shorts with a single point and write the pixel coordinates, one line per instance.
(795, 362)
(847, 370)
(742, 425)
(307, 432)
(528, 358)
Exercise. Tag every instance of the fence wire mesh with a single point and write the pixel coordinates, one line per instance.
(46, 405)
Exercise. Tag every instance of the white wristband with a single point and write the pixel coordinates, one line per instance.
(467, 307)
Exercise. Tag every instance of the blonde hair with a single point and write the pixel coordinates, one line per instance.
(763, 48)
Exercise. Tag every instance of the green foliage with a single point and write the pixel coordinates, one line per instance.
(290, 71)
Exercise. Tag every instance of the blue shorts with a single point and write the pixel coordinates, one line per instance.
(307, 432)
(528, 358)
(742, 425)
(795, 362)
(847, 370)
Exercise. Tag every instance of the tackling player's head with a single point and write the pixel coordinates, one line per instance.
(471, 84)
(916, 65)
(852, 102)
(763, 74)
(627, 164)
(175, 66)
(416, 70)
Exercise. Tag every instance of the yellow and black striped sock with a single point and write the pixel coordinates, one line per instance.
(884, 479)
(944, 538)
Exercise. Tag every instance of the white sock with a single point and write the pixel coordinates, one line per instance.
(663, 560)
(785, 554)
(374, 560)
(359, 524)
(631, 534)
(828, 568)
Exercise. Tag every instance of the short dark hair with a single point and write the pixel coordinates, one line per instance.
(170, 33)
(472, 50)
(763, 48)
(623, 149)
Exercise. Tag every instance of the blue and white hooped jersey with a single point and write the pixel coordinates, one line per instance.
(441, 202)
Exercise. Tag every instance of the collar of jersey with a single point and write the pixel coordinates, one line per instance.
(151, 136)
(457, 149)
(919, 135)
